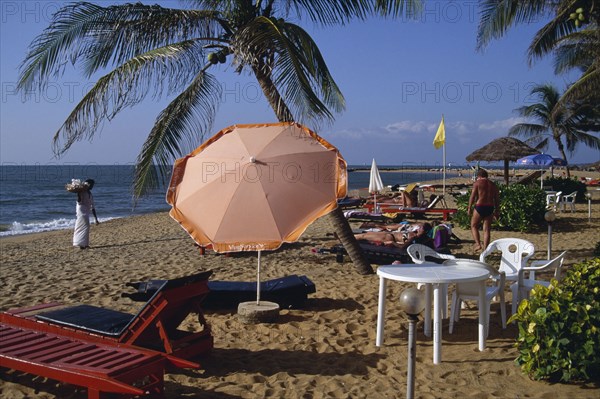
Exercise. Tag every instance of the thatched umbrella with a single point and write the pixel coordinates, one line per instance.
(503, 149)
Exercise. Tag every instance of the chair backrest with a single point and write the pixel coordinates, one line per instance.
(571, 197)
(555, 264)
(434, 201)
(558, 196)
(515, 252)
(472, 289)
(420, 253)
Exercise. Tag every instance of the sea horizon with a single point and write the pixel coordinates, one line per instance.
(33, 197)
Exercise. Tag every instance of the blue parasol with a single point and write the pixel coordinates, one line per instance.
(541, 160)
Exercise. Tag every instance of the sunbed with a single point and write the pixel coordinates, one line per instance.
(289, 292)
(529, 178)
(397, 208)
(154, 327)
(350, 202)
(98, 367)
(368, 216)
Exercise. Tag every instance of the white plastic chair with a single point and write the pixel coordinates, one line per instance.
(420, 253)
(522, 287)
(470, 291)
(553, 201)
(568, 200)
(515, 254)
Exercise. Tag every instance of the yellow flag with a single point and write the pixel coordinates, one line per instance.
(440, 136)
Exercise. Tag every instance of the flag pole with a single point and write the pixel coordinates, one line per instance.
(440, 141)
(444, 161)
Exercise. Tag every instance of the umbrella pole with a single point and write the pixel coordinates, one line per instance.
(374, 202)
(258, 281)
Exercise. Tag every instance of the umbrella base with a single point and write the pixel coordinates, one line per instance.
(252, 313)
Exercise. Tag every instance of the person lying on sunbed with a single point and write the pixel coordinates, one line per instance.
(400, 239)
(407, 197)
(404, 227)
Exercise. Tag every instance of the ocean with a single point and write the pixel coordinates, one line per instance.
(33, 197)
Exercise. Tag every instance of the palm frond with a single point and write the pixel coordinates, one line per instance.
(304, 76)
(529, 130)
(288, 55)
(547, 38)
(588, 139)
(179, 127)
(536, 111)
(497, 16)
(129, 30)
(395, 8)
(100, 35)
(323, 12)
(586, 87)
(49, 52)
(576, 50)
(168, 69)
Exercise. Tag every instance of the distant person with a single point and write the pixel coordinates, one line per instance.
(409, 196)
(484, 204)
(85, 206)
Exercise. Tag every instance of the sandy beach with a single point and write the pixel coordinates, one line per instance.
(326, 350)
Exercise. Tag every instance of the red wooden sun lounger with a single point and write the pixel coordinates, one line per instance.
(154, 327)
(391, 208)
(99, 368)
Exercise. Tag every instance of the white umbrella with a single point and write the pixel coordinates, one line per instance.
(375, 183)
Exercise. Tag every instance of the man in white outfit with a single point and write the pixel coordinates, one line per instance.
(85, 205)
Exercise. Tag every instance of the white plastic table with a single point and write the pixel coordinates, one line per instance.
(432, 274)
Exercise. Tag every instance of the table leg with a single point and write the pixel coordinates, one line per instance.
(427, 317)
(444, 289)
(437, 325)
(483, 309)
(381, 312)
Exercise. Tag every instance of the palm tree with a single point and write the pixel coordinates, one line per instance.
(572, 34)
(566, 126)
(171, 51)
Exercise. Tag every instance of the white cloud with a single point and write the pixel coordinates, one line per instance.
(502, 125)
(464, 131)
(410, 126)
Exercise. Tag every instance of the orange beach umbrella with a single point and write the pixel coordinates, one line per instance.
(254, 187)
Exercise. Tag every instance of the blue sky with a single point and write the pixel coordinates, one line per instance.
(398, 78)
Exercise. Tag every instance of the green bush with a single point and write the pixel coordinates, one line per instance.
(597, 249)
(567, 186)
(559, 327)
(521, 208)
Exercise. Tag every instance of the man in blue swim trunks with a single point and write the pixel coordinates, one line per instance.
(485, 205)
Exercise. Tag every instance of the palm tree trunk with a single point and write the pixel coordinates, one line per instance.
(561, 149)
(346, 237)
(340, 223)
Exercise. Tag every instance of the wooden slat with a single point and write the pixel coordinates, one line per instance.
(100, 368)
